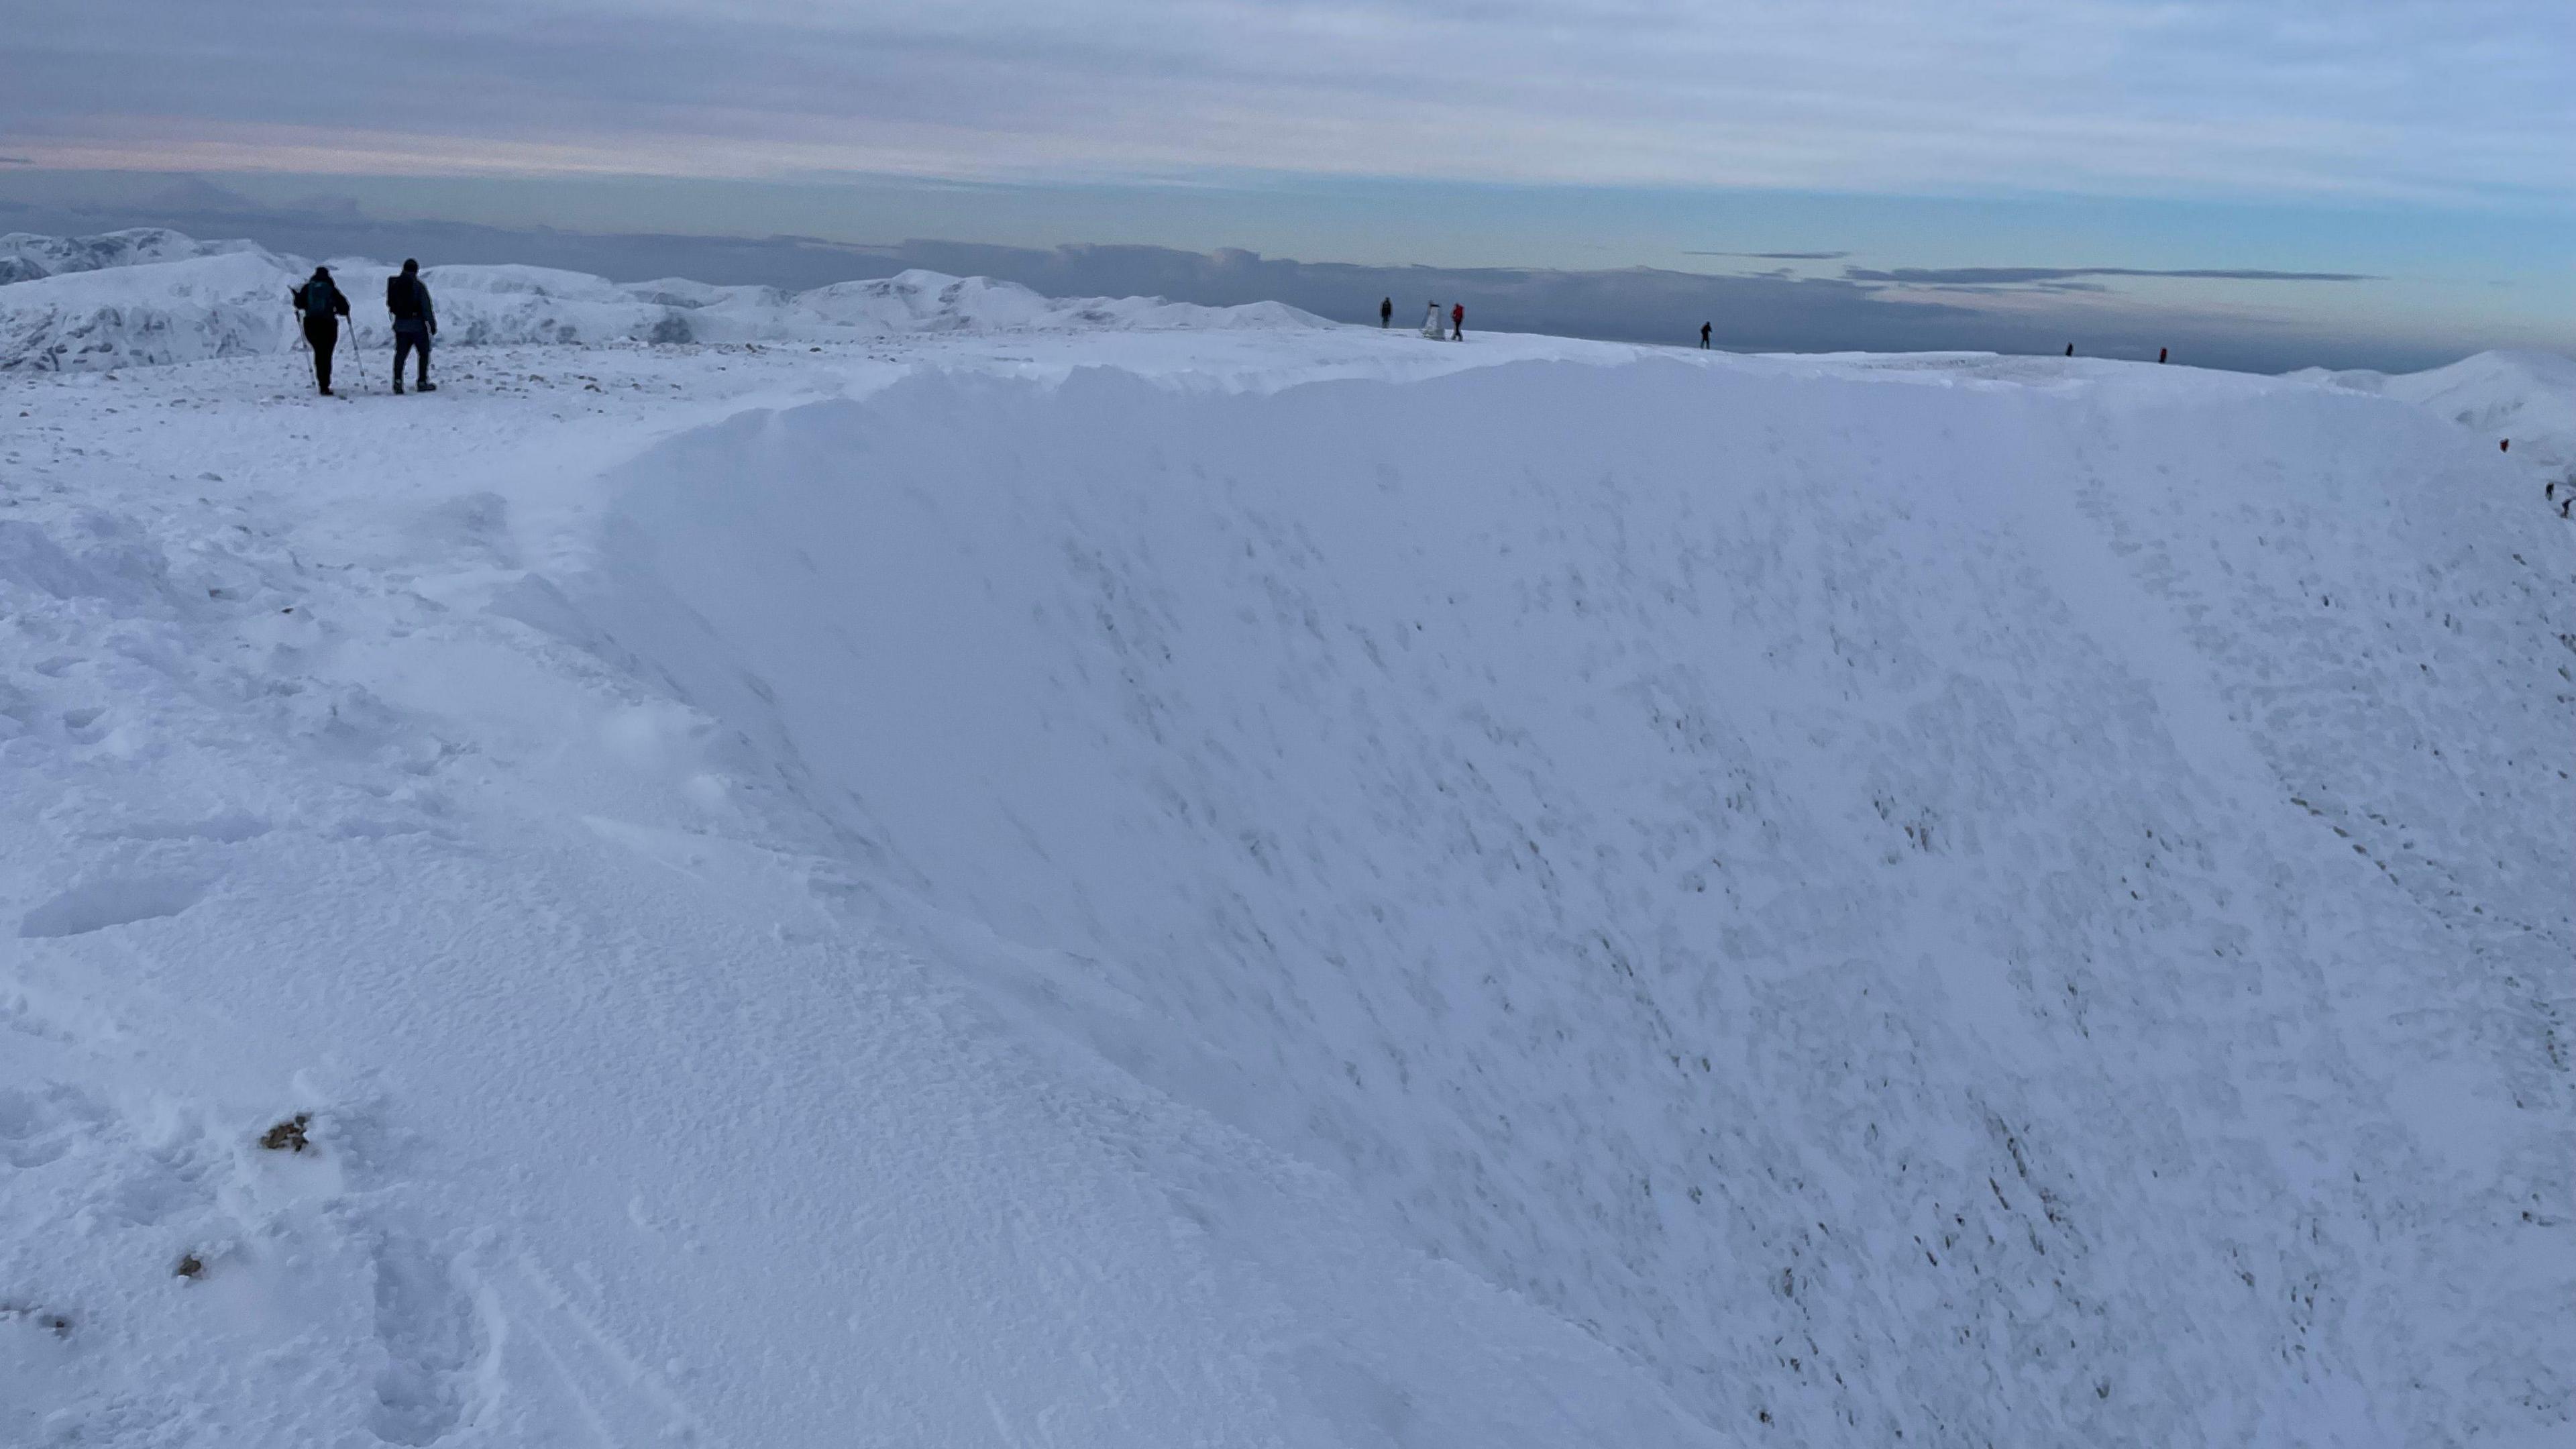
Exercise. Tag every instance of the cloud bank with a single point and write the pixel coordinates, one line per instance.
(2011, 276)
(2397, 98)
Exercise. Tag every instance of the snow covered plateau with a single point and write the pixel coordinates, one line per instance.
(916, 865)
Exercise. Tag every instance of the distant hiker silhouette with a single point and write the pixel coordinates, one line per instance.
(415, 322)
(1385, 312)
(2070, 349)
(2160, 356)
(1458, 322)
(1703, 334)
(2504, 445)
(321, 305)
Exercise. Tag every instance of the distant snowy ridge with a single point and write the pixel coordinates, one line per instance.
(25, 256)
(149, 297)
(2526, 396)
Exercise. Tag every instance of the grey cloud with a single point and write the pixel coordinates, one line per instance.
(17, 161)
(2018, 276)
(1776, 256)
(2386, 100)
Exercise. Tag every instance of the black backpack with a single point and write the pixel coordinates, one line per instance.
(318, 295)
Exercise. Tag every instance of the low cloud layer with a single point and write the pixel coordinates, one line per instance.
(2017, 276)
(1775, 256)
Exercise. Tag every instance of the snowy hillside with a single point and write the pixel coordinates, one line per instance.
(2527, 397)
(154, 297)
(1274, 886)
(25, 256)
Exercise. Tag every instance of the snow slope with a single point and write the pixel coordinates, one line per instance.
(2527, 397)
(154, 297)
(1278, 887)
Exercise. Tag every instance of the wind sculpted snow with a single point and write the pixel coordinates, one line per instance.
(1277, 886)
(1978, 914)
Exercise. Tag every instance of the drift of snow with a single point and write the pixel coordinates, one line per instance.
(153, 297)
(1092, 887)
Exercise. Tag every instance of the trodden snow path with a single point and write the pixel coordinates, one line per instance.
(1276, 889)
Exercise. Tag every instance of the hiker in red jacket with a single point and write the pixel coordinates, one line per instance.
(1458, 322)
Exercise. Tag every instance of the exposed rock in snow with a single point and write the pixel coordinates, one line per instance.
(152, 297)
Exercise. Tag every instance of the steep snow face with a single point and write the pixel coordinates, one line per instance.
(619, 1129)
(1910, 905)
(138, 299)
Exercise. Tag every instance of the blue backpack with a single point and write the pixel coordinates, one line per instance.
(317, 297)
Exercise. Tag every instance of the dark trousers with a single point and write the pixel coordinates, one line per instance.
(405, 339)
(324, 336)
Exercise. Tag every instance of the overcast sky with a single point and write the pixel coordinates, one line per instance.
(2422, 143)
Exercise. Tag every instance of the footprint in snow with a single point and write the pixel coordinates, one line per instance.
(95, 905)
(433, 1336)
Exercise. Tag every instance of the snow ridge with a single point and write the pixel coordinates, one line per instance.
(25, 256)
(1274, 886)
(152, 297)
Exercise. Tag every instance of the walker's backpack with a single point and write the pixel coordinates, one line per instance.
(317, 297)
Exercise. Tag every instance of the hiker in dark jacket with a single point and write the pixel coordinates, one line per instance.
(1703, 334)
(319, 302)
(415, 322)
(1385, 312)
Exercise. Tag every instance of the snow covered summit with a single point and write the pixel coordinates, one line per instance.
(2527, 396)
(1106, 885)
(152, 297)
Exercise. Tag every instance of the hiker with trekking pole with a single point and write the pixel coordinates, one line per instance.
(321, 306)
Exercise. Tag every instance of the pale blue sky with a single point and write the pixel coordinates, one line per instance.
(2424, 145)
